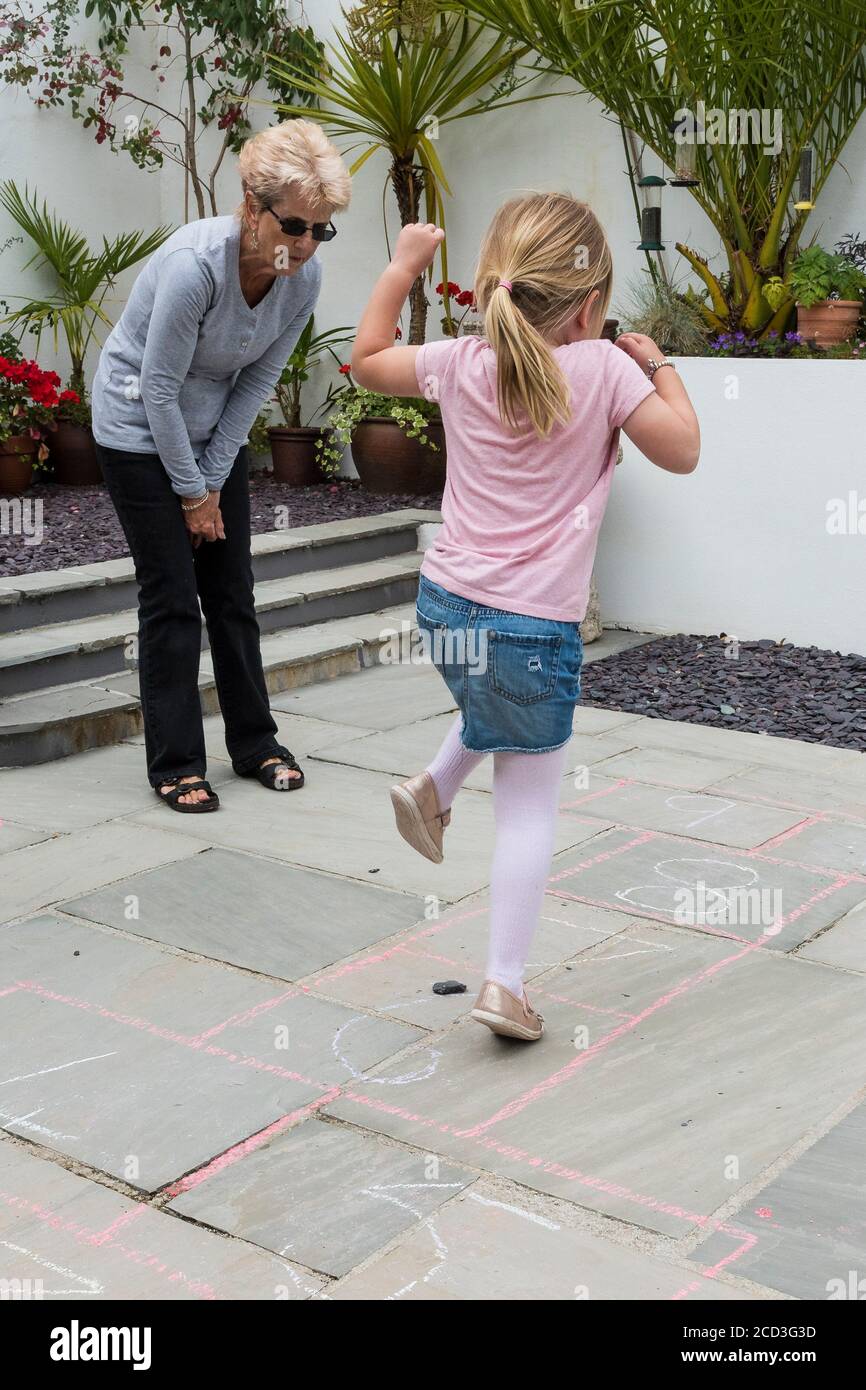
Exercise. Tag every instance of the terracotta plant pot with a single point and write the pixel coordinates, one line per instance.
(829, 321)
(294, 454)
(16, 462)
(73, 456)
(387, 460)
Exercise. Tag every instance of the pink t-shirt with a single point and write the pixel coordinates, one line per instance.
(521, 514)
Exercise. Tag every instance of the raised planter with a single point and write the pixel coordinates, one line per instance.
(829, 321)
(16, 462)
(72, 455)
(294, 454)
(388, 460)
(767, 538)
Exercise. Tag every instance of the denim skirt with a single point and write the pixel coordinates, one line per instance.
(515, 679)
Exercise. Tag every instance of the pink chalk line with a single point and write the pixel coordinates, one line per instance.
(350, 967)
(245, 1016)
(84, 1235)
(791, 832)
(247, 1146)
(180, 1039)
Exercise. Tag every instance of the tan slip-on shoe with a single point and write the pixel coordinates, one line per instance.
(419, 818)
(504, 1013)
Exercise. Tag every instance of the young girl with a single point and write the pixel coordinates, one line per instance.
(532, 414)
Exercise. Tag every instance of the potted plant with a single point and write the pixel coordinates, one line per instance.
(296, 448)
(398, 443)
(83, 280)
(828, 290)
(28, 401)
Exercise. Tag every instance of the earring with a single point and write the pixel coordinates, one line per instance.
(254, 237)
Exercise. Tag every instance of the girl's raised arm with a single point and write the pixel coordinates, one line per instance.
(376, 363)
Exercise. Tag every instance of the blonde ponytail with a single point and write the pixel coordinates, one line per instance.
(552, 251)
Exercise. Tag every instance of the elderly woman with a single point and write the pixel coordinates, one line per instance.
(198, 349)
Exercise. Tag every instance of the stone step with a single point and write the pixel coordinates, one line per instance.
(49, 597)
(83, 649)
(64, 719)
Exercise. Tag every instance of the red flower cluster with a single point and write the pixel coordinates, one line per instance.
(39, 385)
(462, 297)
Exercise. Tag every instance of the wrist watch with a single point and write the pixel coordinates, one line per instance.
(654, 363)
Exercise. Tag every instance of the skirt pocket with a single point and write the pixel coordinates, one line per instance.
(521, 667)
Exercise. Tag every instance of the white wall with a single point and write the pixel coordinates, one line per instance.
(742, 545)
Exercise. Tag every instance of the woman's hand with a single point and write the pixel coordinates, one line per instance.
(640, 348)
(416, 246)
(205, 523)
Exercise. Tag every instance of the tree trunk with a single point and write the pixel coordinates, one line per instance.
(408, 182)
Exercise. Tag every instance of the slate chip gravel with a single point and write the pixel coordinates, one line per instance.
(767, 688)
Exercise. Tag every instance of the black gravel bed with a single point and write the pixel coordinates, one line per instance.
(766, 688)
(80, 525)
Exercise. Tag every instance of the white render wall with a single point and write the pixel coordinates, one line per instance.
(748, 544)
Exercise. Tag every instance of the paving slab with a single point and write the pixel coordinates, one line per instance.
(809, 793)
(408, 748)
(701, 816)
(252, 912)
(712, 888)
(87, 1243)
(832, 842)
(299, 733)
(91, 788)
(342, 819)
(397, 978)
(467, 1251)
(325, 1195)
(668, 767)
(842, 945)
(562, 1116)
(13, 836)
(764, 749)
(170, 1061)
(380, 698)
(40, 875)
(805, 1231)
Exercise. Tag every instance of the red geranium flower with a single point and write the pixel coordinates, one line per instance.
(345, 369)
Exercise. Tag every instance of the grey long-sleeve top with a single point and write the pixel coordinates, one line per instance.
(189, 365)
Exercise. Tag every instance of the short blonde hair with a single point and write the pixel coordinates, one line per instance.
(552, 249)
(297, 154)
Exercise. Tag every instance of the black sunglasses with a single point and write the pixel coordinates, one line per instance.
(296, 226)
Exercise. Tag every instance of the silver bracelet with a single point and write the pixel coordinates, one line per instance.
(199, 503)
(654, 363)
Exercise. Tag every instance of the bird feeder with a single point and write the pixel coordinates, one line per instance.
(651, 214)
(804, 200)
(685, 133)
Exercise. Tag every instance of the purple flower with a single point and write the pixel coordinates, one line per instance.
(772, 333)
(740, 336)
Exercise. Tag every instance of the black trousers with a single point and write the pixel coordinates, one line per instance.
(172, 577)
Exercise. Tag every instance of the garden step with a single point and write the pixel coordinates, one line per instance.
(36, 658)
(65, 719)
(90, 590)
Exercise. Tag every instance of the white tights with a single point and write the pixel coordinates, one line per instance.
(526, 789)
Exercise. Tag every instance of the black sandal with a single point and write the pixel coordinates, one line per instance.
(269, 776)
(179, 789)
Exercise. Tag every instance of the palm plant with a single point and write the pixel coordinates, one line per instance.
(84, 277)
(310, 349)
(647, 61)
(406, 70)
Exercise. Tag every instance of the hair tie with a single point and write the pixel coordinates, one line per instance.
(506, 285)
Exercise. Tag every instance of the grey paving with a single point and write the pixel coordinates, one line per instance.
(261, 915)
(86, 1243)
(468, 1251)
(805, 1232)
(324, 1195)
(145, 1065)
(699, 815)
(350, 808)
(397, 978)
(637, 1117)
(707, 887)
(249, 1029)
(374, 699)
